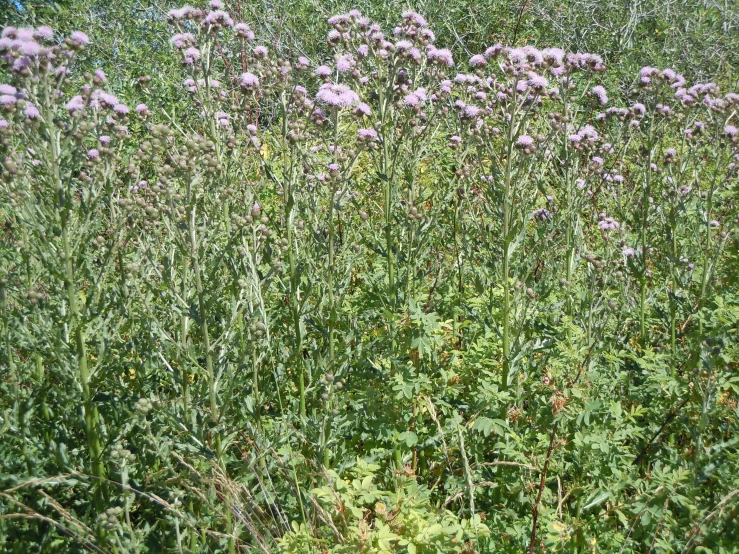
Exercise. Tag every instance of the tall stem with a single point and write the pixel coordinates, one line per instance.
(90, 411)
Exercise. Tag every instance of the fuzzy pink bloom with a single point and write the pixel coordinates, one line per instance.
(337, 96)
(261, 51)
(730, 130)
(243, 30)
(80, 38)
(367, 134)
(323, 71)
(29, 48)
(441, 56)
(121, 109)
(478, 60)
(93, 153)
(524, 141)
(45, 32)
(141, 108)
(363, 109)
(249, 80)
(31, 112)
(7, 100)
(600, 93)
(7, 89)
(104, 139)
(77, 103)
(345, 63)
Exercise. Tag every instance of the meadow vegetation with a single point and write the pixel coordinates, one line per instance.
(280, 280)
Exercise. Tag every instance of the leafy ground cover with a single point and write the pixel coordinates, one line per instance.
(366, 293)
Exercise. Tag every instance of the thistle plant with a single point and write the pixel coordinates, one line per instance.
(372, 300)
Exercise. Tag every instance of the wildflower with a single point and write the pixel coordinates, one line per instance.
(261, 51)
(536, 82)
(141, 108)
(7, 100)
(29, 48)
(337, 96)
(600, 94)
(93, 153)
(32, 112)
(77, 103)
(478, 60)
(542, 214)
(244, 31)
(441, 56)
(249, 80)
(7, 89)
(323, 71)
(104, 139)
(79, 38)
(493, 51)
(730, 130)
(362, 109)
(45, 32)
(192, 55)
(524, 141)
(608, 224)
(628, 252)
(345, 63)
(367, 134)
(121, 109)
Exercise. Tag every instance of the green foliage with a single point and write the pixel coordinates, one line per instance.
(205, 347)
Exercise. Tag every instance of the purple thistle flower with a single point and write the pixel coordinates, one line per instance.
(524, 141)
(141, 108)
(323, 71)
(363, 109)
(442, 56)
(411, 100)
(244, 31)
(29, 48)
(80, 38)
(31, 111)
(600, 93)
(345, 63)
(104, 139)
(542, 214)
(336, 96)
(76, 103)
(45, 32)
(537, 82)
(7, 89)
(192, 55)
(628, 252)
(478, 60)
(121, 109)
(93, 153)
(493, 51)
(608, 224)
(730, 130)
(367, 134)
(261, 51)
(303, 62)
(4, 124)
(249, 80)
